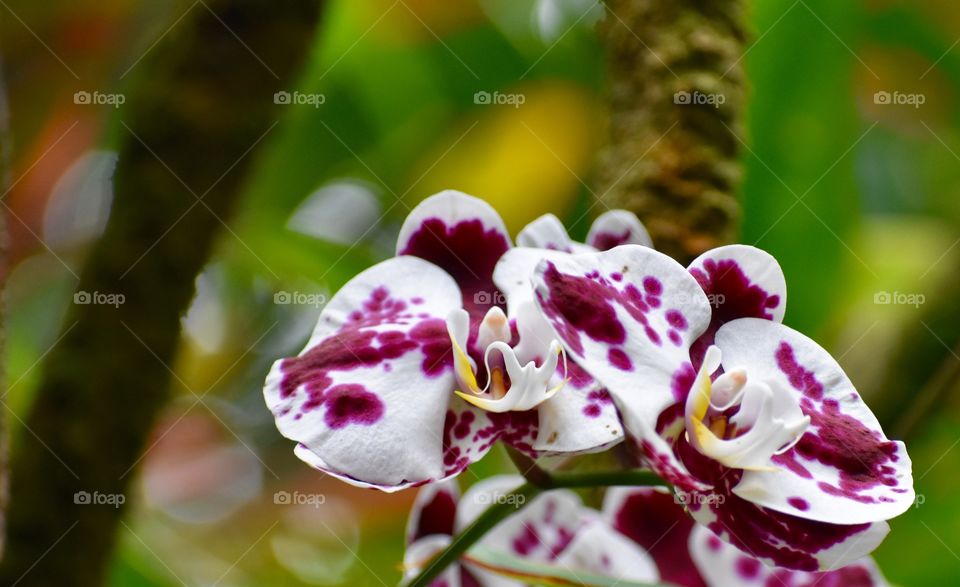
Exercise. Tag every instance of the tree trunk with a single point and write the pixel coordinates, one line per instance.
(200, 99)
(676, 94)
(5, 179)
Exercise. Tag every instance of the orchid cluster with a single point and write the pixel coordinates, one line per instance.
(776, 467)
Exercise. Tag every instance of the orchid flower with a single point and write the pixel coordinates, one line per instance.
(689, 555)
(414, 369)
(554, 529)
(755, 425)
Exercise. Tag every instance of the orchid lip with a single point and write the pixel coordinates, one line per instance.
(510, 386)
(767, 422)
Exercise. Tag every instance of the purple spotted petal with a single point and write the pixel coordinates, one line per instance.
(581, 417)
(578, 419)
(600, 550)
(367, 397)
(538, 532)
(617, 227)
(723, 565)
(843, 470)
(556, 529)
(781, 539)
(653, 519)
(628, 316)
(465, 237)
(434, 510)
(740, 282)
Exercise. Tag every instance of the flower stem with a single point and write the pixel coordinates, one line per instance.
(475, 531)
(520, 497)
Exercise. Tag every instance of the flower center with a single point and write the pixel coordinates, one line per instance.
(517, 378)
(739, 421)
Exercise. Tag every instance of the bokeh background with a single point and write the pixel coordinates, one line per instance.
(858, 199)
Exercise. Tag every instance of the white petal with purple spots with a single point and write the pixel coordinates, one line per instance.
(629, 316)
(367, 397)
(844, 469)
(722, 565)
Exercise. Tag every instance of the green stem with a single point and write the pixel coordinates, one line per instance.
(606, 479)
(514, 501)
(475, 531)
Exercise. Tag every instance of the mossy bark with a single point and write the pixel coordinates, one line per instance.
(199, 100)
(673, 160)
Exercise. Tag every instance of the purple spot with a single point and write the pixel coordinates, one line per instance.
(801, 379)
(682, 381)
(674, 337)
(654, 521)
(620, 360)
(652, 335)
(732, 296)
(585, 307)
(605, 241)
(595, 401)
(616, 276)
(351, 404)
(527, 541)
(436, 516)
(748, 568)
(652, 286)
(735, 295)
(676, 319)
(467, 251)
(799, 503)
